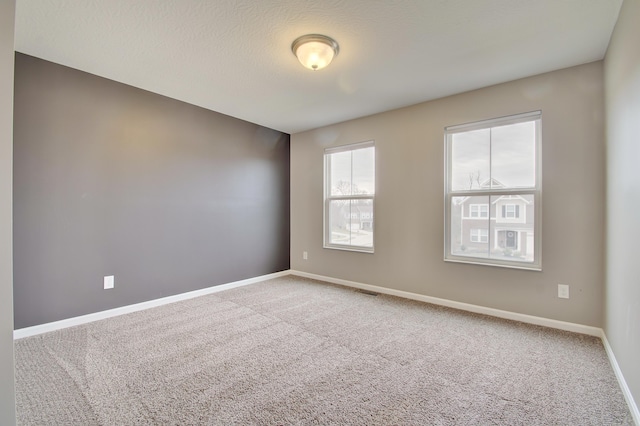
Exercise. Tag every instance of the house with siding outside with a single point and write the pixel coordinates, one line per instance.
(501, 225)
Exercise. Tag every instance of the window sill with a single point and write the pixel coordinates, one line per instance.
(521, 266)
(350, 248)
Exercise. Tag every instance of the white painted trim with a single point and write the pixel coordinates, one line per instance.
(70, 322)
(529, 319)
(633, 407)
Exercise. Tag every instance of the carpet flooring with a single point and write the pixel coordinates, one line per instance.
(293, 351)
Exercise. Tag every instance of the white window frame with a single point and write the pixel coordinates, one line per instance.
(328, 198)
(480, 237)
(515, 214)
(535, 191)
(479, 211)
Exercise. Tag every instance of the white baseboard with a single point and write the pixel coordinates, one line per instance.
(70, 322)
(633, 407)
(529, 319)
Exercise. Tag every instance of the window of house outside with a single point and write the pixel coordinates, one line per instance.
(493, 192)
(511, 211)
(349, 191)
(479, 210)
(479, 235)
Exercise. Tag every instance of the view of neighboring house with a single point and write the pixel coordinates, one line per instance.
(360, 215)
(496, 226)
(351, 222)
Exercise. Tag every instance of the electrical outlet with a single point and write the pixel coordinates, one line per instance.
(563, 291)
(305, 256)
(109, 282)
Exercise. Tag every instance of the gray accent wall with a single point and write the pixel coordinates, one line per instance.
(622, 82)
(7, 397)
(113, 180)
(409, 205)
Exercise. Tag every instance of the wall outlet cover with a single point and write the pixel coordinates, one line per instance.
(109, 282)
(563, 291)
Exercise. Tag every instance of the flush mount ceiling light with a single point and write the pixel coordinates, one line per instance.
(315, 51)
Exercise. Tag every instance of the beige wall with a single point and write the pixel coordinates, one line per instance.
(409, 200)
(7, 410)
(622, 80)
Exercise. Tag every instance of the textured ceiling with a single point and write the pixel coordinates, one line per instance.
(234, 57)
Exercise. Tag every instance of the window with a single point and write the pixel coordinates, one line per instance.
(493, 191)
(479, 235)
(510, 211)
(479, 210)
(349, 188)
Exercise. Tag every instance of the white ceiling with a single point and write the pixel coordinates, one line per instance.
(234, 57)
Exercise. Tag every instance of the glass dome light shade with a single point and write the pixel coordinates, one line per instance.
(314, 51)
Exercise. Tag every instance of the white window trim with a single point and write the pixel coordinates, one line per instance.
(480, 235)
(506, 211)
(328, 198)
(471, 206)
(536, 192)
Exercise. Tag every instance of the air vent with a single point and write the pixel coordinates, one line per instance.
(367, 292)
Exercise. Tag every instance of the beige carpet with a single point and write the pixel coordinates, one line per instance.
(297, 352)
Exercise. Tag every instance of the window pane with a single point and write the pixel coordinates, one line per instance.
(351, 222)
(513, 155)
(479, 235)
(470, 153)
(339, 220)
(352, 172)
(512, 231)
(340, 173)
(479, 210)
(469, 232)
(364, 171)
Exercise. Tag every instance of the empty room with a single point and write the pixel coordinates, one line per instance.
(411, 212)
